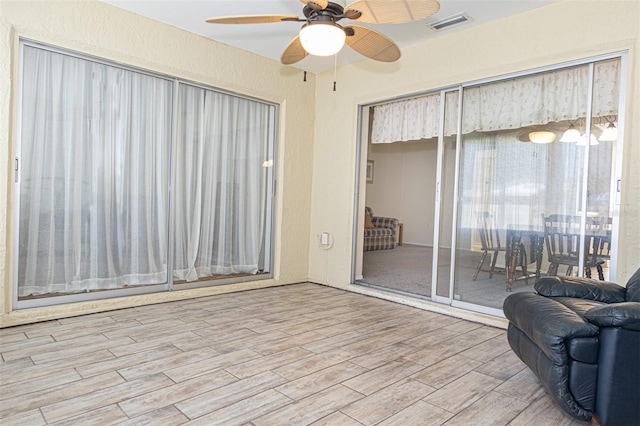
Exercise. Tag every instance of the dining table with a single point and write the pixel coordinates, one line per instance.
(515, 234)
(535, 236)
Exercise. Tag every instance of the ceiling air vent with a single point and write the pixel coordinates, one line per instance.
(457, 19)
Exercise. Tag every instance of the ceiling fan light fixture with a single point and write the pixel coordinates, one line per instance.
(322, 38)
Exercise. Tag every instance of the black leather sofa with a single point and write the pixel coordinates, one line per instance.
(581, 338)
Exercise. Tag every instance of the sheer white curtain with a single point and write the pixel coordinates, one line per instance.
(94, 169)
(221, 180)
(516, 182)
(413, 119)
(509, 104)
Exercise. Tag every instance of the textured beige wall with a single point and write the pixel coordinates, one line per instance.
(99, 29)
(548, 35)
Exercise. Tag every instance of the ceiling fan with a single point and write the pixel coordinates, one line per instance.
(321, 35)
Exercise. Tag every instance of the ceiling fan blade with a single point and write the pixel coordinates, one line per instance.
(392, 12)
(294, 52)
(316, 4)
(372, 44)
(252, 19)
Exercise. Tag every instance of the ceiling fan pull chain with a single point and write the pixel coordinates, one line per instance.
(335, 70)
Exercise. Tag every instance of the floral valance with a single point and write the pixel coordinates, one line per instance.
(509, 104)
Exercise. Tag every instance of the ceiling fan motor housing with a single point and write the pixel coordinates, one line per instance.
(332, 13)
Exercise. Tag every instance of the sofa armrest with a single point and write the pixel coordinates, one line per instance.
(583, 288)
(385, 222)
(546, 323)
(625, 315)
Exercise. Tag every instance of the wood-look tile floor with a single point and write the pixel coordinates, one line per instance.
(292, 355)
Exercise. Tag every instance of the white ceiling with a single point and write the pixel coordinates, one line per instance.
(270, 39)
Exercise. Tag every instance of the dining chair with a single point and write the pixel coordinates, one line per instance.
(490, 242)
(603, 249)
(562, 239)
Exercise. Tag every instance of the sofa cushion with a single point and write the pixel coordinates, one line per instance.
(625, 315)
(553, 377)
(368, 224)
(584, 349)
(378, 232)
(583, 288)
(633, 288)
(384, 222)
(579, 306)
(582, 382)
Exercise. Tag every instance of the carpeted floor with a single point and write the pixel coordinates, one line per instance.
(408, 269)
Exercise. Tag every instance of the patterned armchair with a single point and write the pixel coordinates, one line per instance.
(379, 232)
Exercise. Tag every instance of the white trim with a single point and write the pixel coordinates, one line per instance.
(188, 285)
(438, 201)
(622, 101)
(585, 171)
(271, 194)
(124, 66)
(432, 306)
(478, 308)
(223, 91)
(172, 184)
(356, 195)
(45, 300)
(529, 71)
(546, 68)
(456, 184)
(89, 57)
(17, 143)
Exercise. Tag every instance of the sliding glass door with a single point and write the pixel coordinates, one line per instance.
(223, 175)
(93, 176)
(533, 159)
(521, 161)
(129, 181)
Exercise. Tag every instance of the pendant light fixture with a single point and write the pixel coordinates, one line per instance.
(583, 140)
(570, 135)
(609, 134)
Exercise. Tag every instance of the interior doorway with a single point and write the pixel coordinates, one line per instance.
(400, 192)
